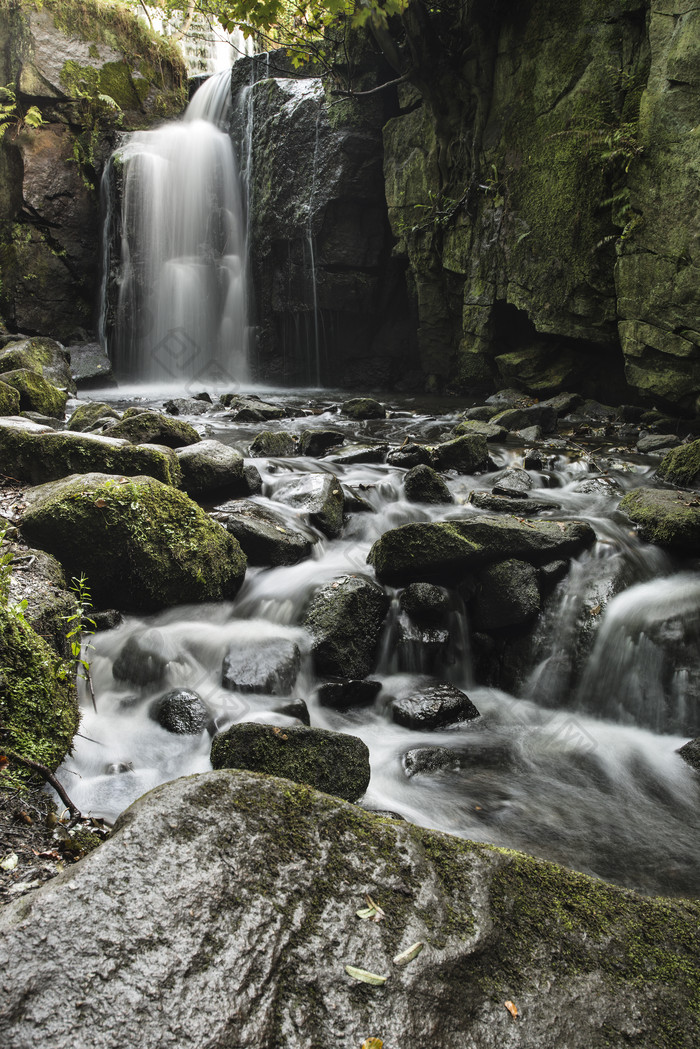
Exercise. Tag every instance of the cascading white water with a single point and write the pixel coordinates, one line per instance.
(181, 312)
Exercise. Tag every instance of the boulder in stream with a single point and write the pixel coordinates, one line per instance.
(513, 482)
(278, 444)
(490, 431)
(363, 408)
(268, 666)
(148, 427)
(431, 705)
(333, 762)
(409, 455)
(317, 442)
(422, 484)
(86, 415)
(348, 692)
(466, 455)
(144, 657)
(345, 619)
(448, 551)
(43, 356)
(320, 496)
(142, 545)
(202, 867)
(665, 517)
(180, 711)
(690, 752)
(265, 537)
(211, 466)
(36, 394)
(507, 596)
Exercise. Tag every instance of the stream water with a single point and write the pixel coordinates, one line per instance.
(580, 766)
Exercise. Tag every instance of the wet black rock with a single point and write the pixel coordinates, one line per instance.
(506, 504)
(252, 479)
(434, 704)
(512, 482)
(597, 485)
(333, 762)
(421, 760)
(360, 453)
(345, 619)
(276, 444)
(507, 596)
(268, 666)
(107, 619)
(180, 711)
(424, 602)
(363, 408)
(351, 692)
(690, 752)
(144, 658)
(264, 536)
(296, 708)
(187, 406)
(550, 574)
(251, 409)
(317, 442)
(668, 518)
(535, 415)
(422, 484)
(409, 455)
(318, 495)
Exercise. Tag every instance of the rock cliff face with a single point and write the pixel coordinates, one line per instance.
(330, 302)
(542, 186)
(92, 70)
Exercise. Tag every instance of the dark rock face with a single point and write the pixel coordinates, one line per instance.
(180, 711)
(317, 442)
(268, 666)
(278, 443)
(690, 752)
(345, 619)
(424, 602)
(65, 58)
(287, 868)
(507, 596)
(336, 306)
(211, 466)
(333, 762)
(409, 455)
(466, 455)
(514, 482)
(341, 695)
(264, 536)
(433, 705)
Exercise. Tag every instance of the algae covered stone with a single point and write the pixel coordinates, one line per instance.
(668, 518)
(345, 619)
(36, 394)
(422, 484)
(278, 444)
(143, 545)
(38, 703)
(154, 428)
(467, 454)
(35, 454)
(9, 399)
(332, 762)
(86, 415)
(363, 408)
(681, 466)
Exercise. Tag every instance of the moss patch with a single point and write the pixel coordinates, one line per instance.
(681, 465)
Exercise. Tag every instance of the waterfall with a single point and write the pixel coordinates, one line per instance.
(181, 310)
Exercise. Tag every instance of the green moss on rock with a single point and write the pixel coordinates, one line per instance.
(273, 443)
(333, 762)
(664, 517)
(154, 428)
(143, 545)
(86, 415)
(36, 394)
(38, 703)
(681, 466)
(9, 399)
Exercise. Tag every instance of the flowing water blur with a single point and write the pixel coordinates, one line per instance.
(579, 767)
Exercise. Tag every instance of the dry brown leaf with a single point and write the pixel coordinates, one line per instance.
(512, 1009)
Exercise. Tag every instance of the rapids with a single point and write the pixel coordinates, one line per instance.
(579, 766)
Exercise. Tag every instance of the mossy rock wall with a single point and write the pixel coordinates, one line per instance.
(62, 55)
(542, 186)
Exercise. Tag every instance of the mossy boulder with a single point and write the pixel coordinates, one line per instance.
(143, 545)
(154, 428)
(36, 394)
(363, 408)
(43, 356)
(449, 551)
(9, 399)
(345, 619)
(586, 963)
(278, 444)
(668, 518)
(491, 431)
(681, 466)
(87, 415)
(318, 442)
(422, 484)
(36, 454)
(38, 703)
(332, 762)
(466, 455)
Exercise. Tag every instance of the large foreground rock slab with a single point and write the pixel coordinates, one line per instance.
(446, 551)
(142, 545)
(223, 913)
